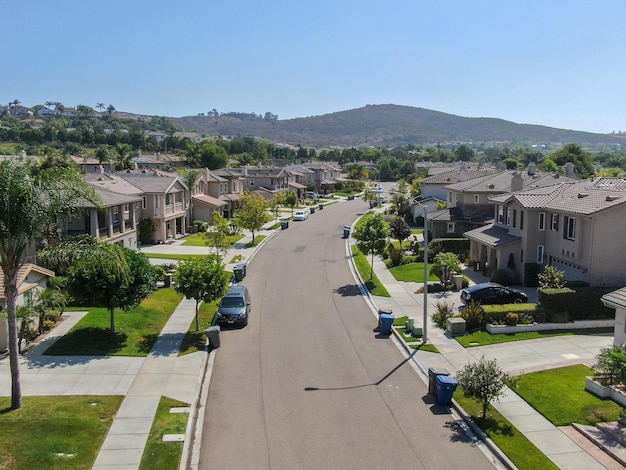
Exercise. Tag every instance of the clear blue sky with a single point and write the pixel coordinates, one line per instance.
(550, 62)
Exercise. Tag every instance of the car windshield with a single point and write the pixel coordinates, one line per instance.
(230, 302)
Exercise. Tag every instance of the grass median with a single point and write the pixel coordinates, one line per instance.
(374, 286)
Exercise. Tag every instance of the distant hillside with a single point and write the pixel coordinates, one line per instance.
(388, 125)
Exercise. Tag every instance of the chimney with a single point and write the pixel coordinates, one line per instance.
(139, 153)
(532, 169)
(462, 173)
(245, 170)
(517, 182)
(158, 156)
(569, 169)
(22, 155)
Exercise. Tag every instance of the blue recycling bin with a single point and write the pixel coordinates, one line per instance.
(386, 323)
(446, 386)
(321, 206)
(351, 197)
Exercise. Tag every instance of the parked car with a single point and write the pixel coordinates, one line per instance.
(234, 307)
(300, 215)
(492, 293)
(382, 199)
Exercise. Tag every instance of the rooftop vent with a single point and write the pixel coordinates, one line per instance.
(612, 198)
(582, 195)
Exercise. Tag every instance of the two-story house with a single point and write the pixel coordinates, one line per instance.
(164, 200)
(435, 185)
(468, 205)
(210, 195)
(574, 226)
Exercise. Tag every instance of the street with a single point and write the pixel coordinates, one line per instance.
(308, 383)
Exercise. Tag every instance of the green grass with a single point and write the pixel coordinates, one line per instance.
(196, 340)
(55, 433)
(136, 329)
(417, 231)
(159, 455)
(257, 239)
(198, 239)
(363, 266)
(482, 338)
(513, 443)
(560, 396)
(428, 347)
(174, 257)
(412, 272)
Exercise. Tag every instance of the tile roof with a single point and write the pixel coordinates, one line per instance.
(615, 299)
(22, 274)
(212, 201)
(491, 235)
(501, 182)
(452, 176)
(150, 183)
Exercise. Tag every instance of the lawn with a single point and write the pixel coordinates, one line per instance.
(174, 257)
(412, 272)
(512, 442)
(198, 239)
(482, 338)
(560, 396)
(362, 264)
(159, 455)
(54, 432)
(196, 340)
(136, 329)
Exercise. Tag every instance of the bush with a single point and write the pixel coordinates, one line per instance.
(474, 316)
(610, 366)
(502, 276)
(580, 304)
(460, 246)
(395, 255)
(511, 319)
(551, 278)
(443, 311)
(529, 313)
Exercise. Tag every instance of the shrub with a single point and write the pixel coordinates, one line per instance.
(460, 246)
(551, 278)
(610, 366)
(474, 316)
(48, 325)
(443, 311)
(580, 304)
(512, 319)
(529, 313)
(502, 276)
(395, 255)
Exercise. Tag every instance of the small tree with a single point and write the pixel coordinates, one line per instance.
(444, 264)
(483, 381)
(47, 300)
(291, 199)
(252, 213)
(371, 237)
(400, 230)
(369, 196)
(201, 279)
(217, 232)
(551, 278)
(277, 201)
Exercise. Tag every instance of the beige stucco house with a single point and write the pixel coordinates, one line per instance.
(575, 226)
(617, 300)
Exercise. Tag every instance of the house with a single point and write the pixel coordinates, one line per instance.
(573, 226)
(116, 220)
(418, 204)
(435, 185)
(30, 279)
(468, 205)
(157, 161)
(164, 200)
(617, 300)
(318, 176)
(226, 184)
(93, 165)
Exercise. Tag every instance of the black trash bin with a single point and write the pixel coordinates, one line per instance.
(312, 210)
(445, 389)
(238, 273)
(433, 372)
(346, 231)
(213, 334)
(321, 206)
(243, 268)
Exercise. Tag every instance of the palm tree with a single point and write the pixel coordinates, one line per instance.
(190, 178)
(100, 106)
(47, 300)
(25, 315)
(29, 204)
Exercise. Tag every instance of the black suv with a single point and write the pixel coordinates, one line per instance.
(492, 293)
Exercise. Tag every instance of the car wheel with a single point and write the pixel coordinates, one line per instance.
(518, 301)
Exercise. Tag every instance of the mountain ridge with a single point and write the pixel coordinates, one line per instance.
(388, 125)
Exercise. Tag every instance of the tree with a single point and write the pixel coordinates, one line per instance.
(190, 178)
(252, 213)
(574, 153)
(217, 233)
(110, 110)
(400, 230)
(610, 366)
(483, 381)
(99, 106)
(291, 199)
(277, 201)
(25, 316)
(213, 156)
(551, 278)
(369, 196)
(371, 237)
(47, 300)
(203, 280)
(111, 276)
(29, 205)
(444, 264)
(102, 154)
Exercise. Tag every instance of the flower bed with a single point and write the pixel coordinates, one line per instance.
(605, 391)
(573, 325)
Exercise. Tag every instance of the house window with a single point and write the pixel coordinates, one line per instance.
(476, 198)
(450, 227)
(569, 228)
(157, 202)
(144, 202)
(168, 199)
(126, 207)
(508, 216)
(450, 197)
(542, 220)
(521, 220)
(555, 222)
(521, 256)
(540, 254)
(501, 214)
(514, 218)
(116, 214)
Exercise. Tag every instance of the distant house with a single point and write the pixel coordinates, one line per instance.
(575, 226)
(157, 161)
(30, 279)
(435, 185)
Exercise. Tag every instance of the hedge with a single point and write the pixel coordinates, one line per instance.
(451, 245)
(566, 304)
(498, 313)
(531, 274)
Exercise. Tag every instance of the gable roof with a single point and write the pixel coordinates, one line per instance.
(452, 176)
(501, 181)
(22, 275)
(615, 299)
(151, 183)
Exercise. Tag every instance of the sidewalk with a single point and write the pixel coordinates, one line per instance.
(515, 358)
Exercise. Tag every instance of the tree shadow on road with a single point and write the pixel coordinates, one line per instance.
(349, 290)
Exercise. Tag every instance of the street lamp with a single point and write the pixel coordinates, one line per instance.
(425, 319)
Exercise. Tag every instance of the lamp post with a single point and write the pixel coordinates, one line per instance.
(425, 319)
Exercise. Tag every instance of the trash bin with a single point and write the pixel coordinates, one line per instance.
(238, 273)
(243, 267)
(284, 225)
(433, 372)
(213, 334)
(346, 231)
(312, 210)
(321, 206)
(445, 388)
(386, 323)
(351, 197)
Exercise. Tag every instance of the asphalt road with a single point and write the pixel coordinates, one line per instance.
(308, 384)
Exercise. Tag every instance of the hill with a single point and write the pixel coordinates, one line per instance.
(387, 125)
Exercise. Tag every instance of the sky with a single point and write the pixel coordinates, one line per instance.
(550, 62)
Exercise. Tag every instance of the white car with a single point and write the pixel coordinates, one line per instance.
(382, 199)
(300, 215)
